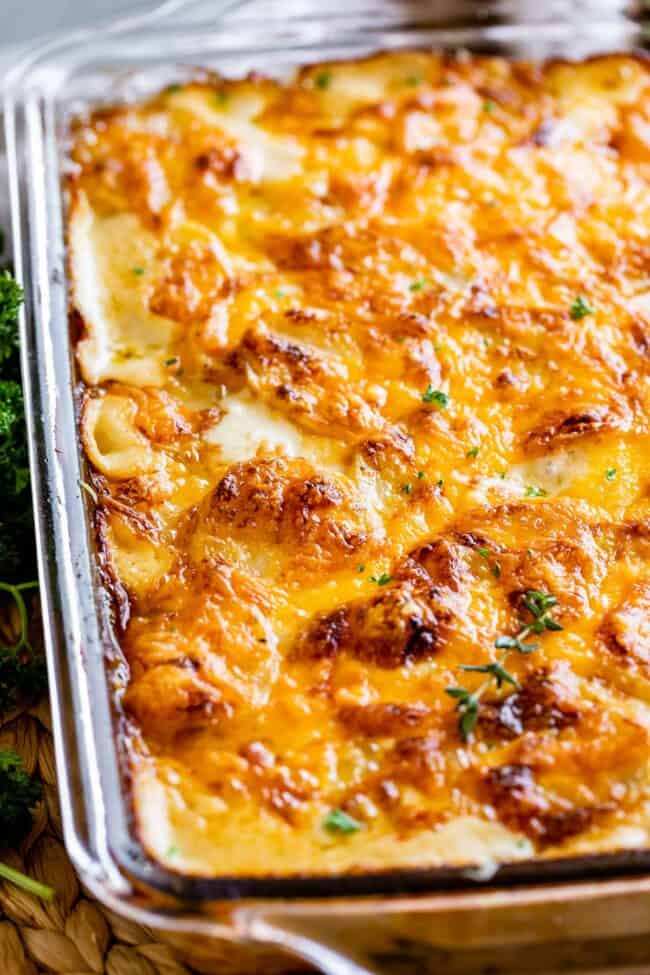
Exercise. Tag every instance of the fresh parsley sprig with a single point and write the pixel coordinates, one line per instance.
(468, 703)
(22, 669)
(19, 794)
(11, 298)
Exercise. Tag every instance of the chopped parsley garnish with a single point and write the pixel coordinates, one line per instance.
(174, 89)
(413, 80)
(468, 703)
(407, 488)
(535, 492)
(221, 97)
(489, 106)
(172, 361)
(431, 395)
(610, 473)
(280, 293)
(323, 80)
(139, 271)
(382, 580)
(172, 851)
(419, 285)
(421, 474)
(473, 452)
(495, 568)
(338, 821)
(580, 309)
(361, 569)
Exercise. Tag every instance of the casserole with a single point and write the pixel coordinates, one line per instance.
(105, 821)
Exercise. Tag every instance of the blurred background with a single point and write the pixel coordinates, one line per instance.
(25, 19)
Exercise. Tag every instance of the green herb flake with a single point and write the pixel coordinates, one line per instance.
(489, 106)
(172, 851)
(407, 488)
(382, 580)
(421, 474)
(139, 271)
(221, 97)
(413, 80)
(535, 492)
(11, 298)
(610, 474)
(361, 568)
(323, 80)
(580, 309)
(431, 395)
(172, 362)
(467, 705)
(419, 285)
(539, 604)
(496, 669)
(473, 452)
(338, 821)
(174, 89)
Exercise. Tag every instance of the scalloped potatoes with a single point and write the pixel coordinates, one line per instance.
(366, 361)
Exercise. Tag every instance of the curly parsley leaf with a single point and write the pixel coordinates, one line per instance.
(14, 470)
(22, 670)
(11, 298)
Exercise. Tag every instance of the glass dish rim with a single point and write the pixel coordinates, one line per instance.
(99, 837)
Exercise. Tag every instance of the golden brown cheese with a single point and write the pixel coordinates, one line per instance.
(366, 364)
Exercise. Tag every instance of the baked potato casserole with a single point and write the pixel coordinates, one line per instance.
(365, 363)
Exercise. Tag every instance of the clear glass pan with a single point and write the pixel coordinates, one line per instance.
(129, 59)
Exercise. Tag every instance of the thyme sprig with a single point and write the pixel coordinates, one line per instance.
(468, 703)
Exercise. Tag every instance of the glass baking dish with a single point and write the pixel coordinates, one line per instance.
(413, 914)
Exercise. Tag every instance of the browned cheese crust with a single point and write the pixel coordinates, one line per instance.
(365, 361)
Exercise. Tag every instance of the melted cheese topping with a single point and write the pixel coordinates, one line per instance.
(366, 359)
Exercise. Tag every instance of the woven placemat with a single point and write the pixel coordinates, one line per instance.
(73, 934)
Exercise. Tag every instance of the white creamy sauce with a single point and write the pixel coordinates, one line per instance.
(553, 473)
(249, 425)
(113, 260)
(548, 475)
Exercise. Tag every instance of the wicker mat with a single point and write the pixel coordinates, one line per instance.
(73, 934)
